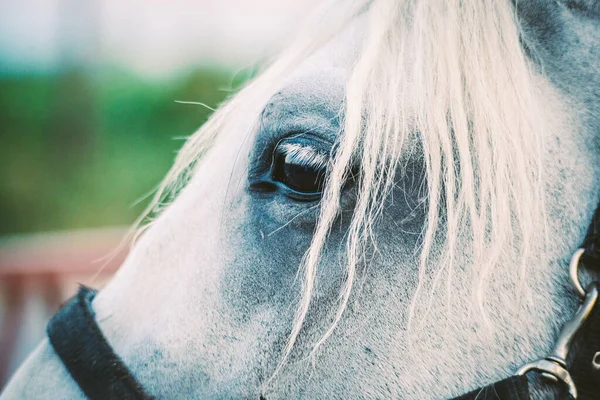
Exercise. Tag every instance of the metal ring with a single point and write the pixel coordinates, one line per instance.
(553, 369)
(596, 361)
(573, 276)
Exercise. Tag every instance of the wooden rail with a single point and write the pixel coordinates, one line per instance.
(38, 273)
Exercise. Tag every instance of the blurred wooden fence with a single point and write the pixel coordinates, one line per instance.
(38, 273)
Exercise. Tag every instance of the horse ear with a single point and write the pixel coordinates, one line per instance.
(589, 7)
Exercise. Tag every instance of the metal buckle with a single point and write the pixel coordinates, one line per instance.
(554, 366)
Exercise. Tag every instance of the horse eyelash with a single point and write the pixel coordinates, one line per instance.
(307, 156)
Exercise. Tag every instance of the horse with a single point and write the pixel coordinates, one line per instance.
(385, 211)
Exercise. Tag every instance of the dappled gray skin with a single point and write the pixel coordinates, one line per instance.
(204, 305)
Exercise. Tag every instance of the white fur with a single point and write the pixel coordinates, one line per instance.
(508, 191)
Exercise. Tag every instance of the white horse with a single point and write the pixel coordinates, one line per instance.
(385, 212)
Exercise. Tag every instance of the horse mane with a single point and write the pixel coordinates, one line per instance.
(454, 75)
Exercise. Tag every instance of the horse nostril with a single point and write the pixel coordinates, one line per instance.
(262, 397)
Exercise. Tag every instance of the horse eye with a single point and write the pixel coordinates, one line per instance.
(301, 168)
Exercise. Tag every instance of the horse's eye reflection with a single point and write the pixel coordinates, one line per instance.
(299, 167)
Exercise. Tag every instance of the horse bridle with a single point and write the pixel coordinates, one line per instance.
(101, 374)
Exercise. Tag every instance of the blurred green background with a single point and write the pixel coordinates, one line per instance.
(81, 149)
(88, 116)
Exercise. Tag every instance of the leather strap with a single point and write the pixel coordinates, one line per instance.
(584, 371)
(513, 388)
(87, 355)
(591, 244)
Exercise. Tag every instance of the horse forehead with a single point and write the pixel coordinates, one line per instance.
(337, 56)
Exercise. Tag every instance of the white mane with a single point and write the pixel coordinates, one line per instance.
(452, 76)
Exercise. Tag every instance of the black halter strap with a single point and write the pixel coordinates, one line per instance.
(87, 355)
(101, 374)
(513, 388)
(586, 374)
(591, 244)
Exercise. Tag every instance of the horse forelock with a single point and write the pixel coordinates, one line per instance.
(449, 78)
